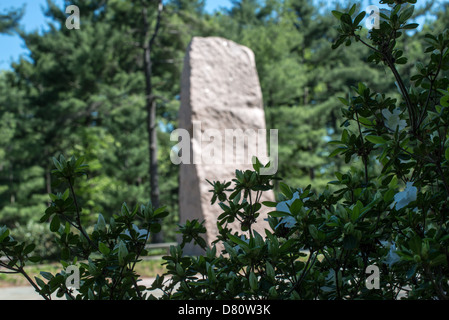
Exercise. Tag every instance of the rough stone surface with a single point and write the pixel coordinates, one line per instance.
(219, 90)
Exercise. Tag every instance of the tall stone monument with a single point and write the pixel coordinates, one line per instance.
(222, 112)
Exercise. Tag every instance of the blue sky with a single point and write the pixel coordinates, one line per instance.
(11, 47)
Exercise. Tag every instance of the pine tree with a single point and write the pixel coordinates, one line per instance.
(84, 92)
(301, 79)
(21, 181)
(9, 20)
(75, 80)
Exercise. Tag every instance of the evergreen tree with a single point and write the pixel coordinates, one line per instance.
(22, 191)
(301, 79)
(9, 20)
(75, 81)
(84, 92)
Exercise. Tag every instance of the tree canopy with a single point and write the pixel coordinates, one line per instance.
(82, 92)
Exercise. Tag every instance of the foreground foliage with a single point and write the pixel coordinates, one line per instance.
(320, 246)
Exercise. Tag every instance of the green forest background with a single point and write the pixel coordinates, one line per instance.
(83, 93)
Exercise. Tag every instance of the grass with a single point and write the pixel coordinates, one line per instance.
(146, 269)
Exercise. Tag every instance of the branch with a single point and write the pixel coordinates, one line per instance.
(424, 10)
(78, 218)
(4, 265)
(432, 81)
(399, 81)
(364, 154)
(358, 38)
(404, 92)
(137, 257)
(22, 271)
(160, 7)
(305, 271)
(146, 24)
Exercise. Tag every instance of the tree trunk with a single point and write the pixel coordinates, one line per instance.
(150, 103)
(12, 198)
(48, 183)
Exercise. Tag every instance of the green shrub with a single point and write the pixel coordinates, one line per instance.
(106, 257)
(320, 246)
(326, 246)
(37, 234)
